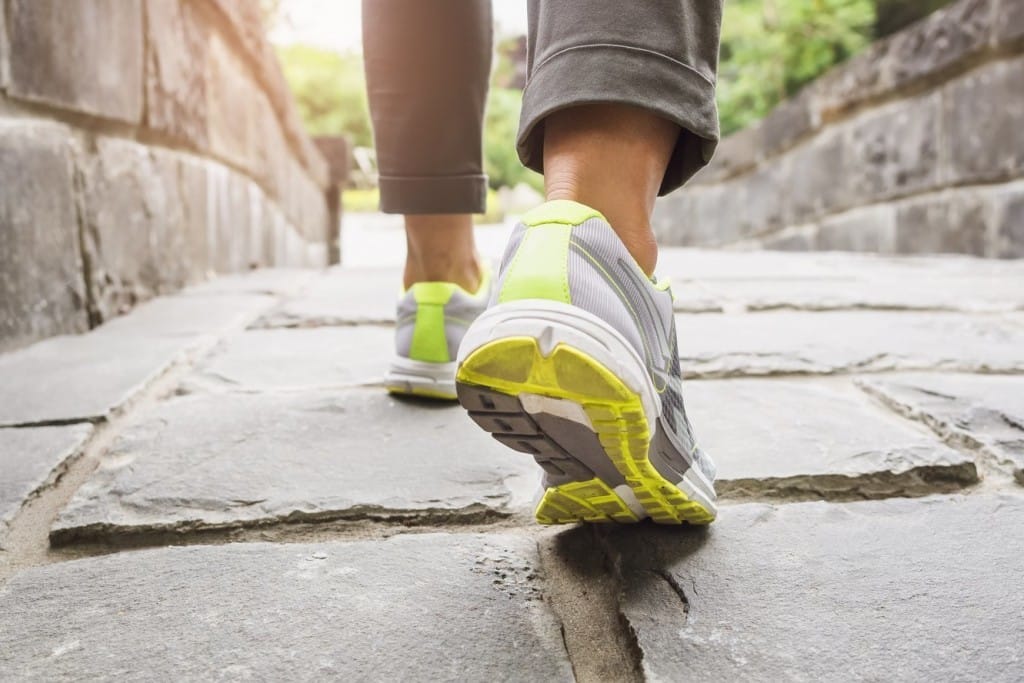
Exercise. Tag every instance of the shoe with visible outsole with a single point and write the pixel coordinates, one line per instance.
(575, 363)
(432, 319)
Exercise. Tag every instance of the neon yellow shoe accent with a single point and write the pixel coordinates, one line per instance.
(540, 267)
(515, 365)
(429, 343)
(582, 501)
(562, 211)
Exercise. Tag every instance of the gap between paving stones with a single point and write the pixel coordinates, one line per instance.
(27, 543)
(993, 475)
(374, 520)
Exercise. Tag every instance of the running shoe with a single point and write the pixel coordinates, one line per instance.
(431, 320)
(575, 363)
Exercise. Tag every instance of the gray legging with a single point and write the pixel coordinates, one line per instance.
(428, 64)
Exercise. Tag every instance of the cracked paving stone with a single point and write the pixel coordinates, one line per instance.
(790, 342)
(921, 589)
(228, 460)
(341, 296)
(977, 411)
(448, 607)
(298, 358)
(87, 376)
(30, 459)
(820, 438)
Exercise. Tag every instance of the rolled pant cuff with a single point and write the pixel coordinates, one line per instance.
(601, 74)
(441, 194)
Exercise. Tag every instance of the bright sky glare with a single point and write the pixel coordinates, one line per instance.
(335, 24)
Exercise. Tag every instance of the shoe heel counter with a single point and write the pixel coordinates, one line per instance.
(539, 269)
(428, 341)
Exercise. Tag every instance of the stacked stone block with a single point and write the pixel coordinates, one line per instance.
(144, 144)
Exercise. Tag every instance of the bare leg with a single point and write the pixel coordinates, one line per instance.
(441, 249)
(611, 157)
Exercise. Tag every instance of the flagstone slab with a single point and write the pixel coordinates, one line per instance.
(30, 459)
(791, 342)
(233, 459)
(341, 296)
(817, 438)
(274, 281)
(86, 377)
(981, 412)
(445, 607)
(266, 359)
(984, 294)
(922, 589)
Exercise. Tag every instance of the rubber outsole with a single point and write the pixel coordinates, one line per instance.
(490, 382)
(421, 379)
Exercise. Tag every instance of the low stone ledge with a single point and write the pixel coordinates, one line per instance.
(986, 220)
(935, 107)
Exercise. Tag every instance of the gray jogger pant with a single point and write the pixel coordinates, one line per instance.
(428, 65)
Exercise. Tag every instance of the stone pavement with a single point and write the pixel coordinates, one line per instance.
(216, 486)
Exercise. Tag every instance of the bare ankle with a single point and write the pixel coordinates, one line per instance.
(441, 249)
(613, 158)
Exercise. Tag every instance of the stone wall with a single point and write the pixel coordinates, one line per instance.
(916, 145)
(144, 144)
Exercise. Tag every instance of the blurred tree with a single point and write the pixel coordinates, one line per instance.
(500, 126)
(330, 89)
(771, 48)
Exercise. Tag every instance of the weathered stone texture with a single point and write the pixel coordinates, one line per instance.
(1008, 225)
(838, 342)
(787, 124)
(941, 41)
(85, 56)
(1009, 22)
(342, 296)
(446, 607)
(948, 222)
(5, 53)
(176, 41)
(134, 229)
(892, 152)
(296, 359)
(930, 110)
(30, 458)
(816, 439)
(984, 113)
(871, 229)
(985, 413)
(230, 95)
(42, 291)
(226, 460)
(85, 377)
(901, 589)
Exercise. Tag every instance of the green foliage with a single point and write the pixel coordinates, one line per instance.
(330, 89)
(500, 126)
(771, 48)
